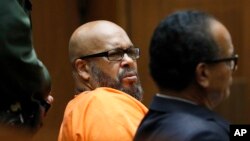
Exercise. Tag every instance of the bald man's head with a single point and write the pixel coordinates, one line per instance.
(98, 38)
(94, 37)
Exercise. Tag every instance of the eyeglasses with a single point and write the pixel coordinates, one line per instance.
(117, 54)
(232, 61)
(45, 105)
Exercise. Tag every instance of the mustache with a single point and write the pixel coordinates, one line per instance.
(127, 72)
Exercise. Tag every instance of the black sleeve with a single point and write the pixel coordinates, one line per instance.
(22, 74)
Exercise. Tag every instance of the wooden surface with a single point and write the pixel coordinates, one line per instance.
(146, 14)
(54, 21)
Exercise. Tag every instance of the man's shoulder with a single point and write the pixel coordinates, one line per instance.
(102, 95)
(180, 126)
(103, 98)
(192, 127)
(98, 111)
(184, 121)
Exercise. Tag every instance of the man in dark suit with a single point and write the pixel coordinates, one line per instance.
(191, 60)
(25, 81)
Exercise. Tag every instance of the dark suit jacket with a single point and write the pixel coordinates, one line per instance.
(173, 120)
(22, 74)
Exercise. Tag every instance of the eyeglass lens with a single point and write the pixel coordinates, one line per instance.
(118, 54)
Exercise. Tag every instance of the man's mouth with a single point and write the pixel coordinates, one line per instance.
(130, 77)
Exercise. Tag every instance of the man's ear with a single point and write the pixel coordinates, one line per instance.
(202, 75)
(82, 68)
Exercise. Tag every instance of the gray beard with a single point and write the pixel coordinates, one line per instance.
(103, 80)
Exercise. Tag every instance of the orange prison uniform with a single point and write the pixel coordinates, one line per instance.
(104, 114)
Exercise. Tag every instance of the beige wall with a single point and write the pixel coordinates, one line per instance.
(55, 20)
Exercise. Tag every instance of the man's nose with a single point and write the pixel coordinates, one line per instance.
(127, 61)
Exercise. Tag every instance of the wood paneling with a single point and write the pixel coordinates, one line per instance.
(54, 21)
(145, 15)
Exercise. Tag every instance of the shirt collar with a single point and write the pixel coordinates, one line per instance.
(175, 98)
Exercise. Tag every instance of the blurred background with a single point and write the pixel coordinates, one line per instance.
(54, 21)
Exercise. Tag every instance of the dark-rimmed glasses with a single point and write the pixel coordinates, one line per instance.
(116, 54)
(45, 105)
(232, 61)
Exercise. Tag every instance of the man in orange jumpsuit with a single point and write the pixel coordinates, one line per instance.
(107, 106)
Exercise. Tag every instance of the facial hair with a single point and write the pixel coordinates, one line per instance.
(103, 80)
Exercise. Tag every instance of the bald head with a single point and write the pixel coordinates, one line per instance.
(95, 37)
(89, 73)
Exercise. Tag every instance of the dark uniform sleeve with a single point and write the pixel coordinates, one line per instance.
(22, 74)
